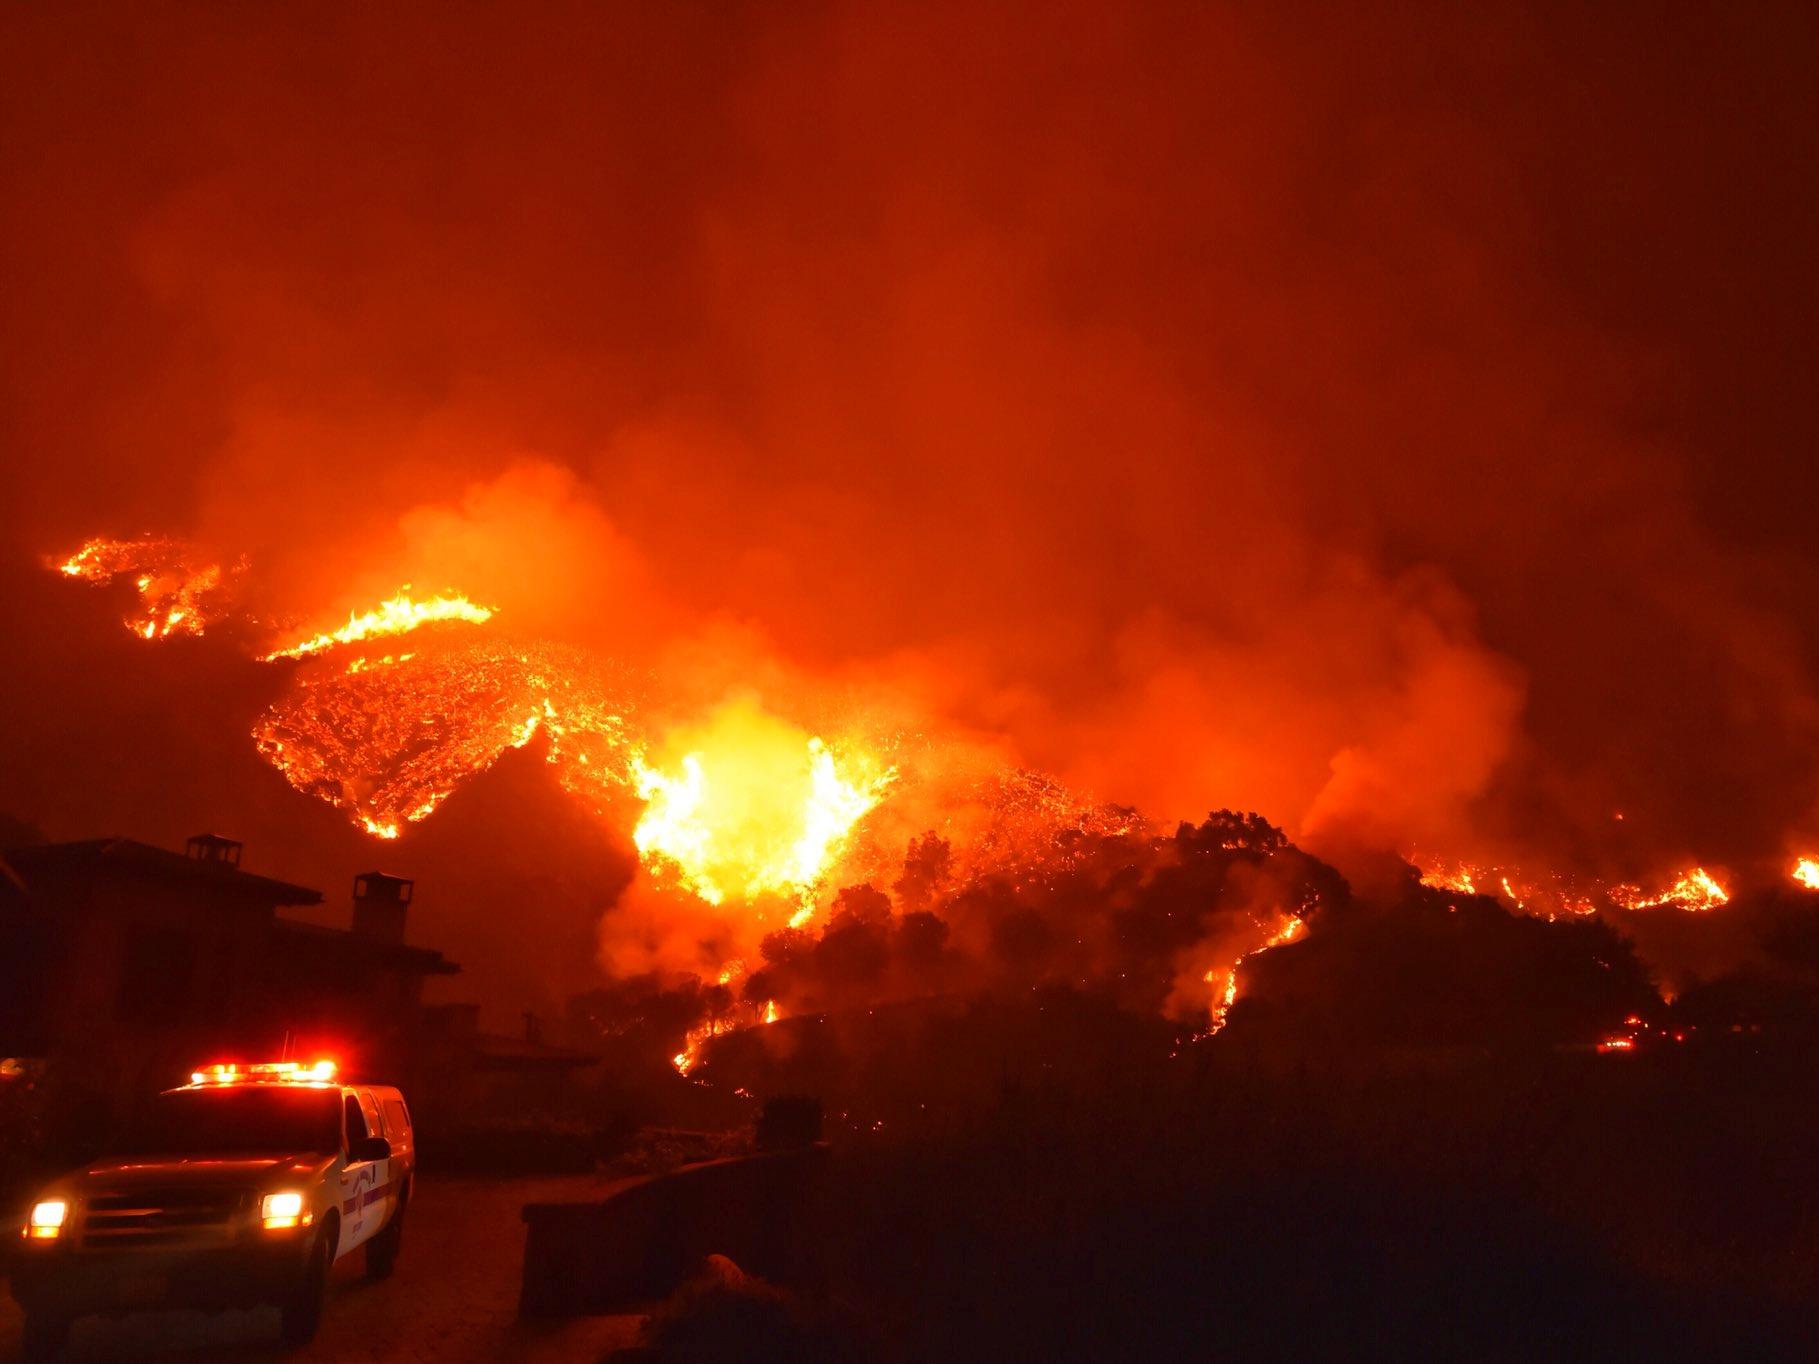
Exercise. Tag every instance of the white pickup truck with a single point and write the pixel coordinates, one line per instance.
(243, 1188)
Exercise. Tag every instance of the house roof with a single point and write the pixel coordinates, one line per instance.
(129, 859)
(425, 961)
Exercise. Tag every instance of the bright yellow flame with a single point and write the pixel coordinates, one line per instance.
(1451, 876)
(1290, 929)
(1693, 890)
(397, 616)
(1806, 872)
(754, 807)
(739, 1016)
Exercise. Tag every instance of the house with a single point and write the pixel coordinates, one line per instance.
(127, 964)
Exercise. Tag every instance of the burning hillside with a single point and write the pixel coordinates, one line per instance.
(1553, 895)
(794, 479)
(752, 828)
(177, 588)
(799, 870)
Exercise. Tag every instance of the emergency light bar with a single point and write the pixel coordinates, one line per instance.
(265, 1072)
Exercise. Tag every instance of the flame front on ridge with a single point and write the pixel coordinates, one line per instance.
(397, 615)
(1551, 895)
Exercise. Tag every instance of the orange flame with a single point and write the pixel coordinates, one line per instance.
(389, 739)
(755, 808)
(397, 615)
(171, 578)
(1290, 929)
(1454, 876)
(1694, 890)
(1806, 872)
(741, 1016)
(1550, 895)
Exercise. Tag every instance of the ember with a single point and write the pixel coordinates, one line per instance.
(390, 741)
(176, 586)
(1552, 895)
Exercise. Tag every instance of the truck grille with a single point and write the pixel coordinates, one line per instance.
(153, 1218)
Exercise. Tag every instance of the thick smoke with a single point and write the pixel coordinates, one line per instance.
(1381, 422)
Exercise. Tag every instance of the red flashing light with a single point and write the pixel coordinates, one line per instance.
(266, 1072)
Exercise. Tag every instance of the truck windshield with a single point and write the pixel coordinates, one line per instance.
(269, 1120)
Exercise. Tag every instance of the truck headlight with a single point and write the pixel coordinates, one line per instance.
(46, 1221)
(278, 1211)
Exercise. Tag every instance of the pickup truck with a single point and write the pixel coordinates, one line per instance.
(243, 1187)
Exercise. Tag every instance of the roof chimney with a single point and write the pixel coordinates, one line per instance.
(380, 902)
(213, 848)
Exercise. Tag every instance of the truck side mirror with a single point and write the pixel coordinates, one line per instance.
(369, 1148)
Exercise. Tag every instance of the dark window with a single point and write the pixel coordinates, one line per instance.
(356, 1122)
(157, 976)
(371, 1112)
(271, 1120)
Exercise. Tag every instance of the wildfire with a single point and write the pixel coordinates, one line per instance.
(1227, 995)
(390, 740)
(1694, 890)
(1806, 872)
(1457, 877)
(174, 582)
(754, 808)
(397, 616)
(1550, 895)
(701, 1034)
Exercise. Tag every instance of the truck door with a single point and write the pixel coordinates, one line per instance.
(358, 1178)
(382, 1197)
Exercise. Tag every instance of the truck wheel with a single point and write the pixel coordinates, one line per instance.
(45, 1335)
(302, 1311)
(382, 1250)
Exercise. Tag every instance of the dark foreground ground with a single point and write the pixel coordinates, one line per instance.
(1483, 1205)
(454, 1297)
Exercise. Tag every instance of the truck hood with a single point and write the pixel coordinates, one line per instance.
(197, 1171)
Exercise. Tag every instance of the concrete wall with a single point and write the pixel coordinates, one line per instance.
(644, 1239)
